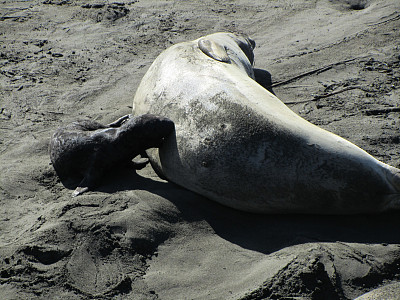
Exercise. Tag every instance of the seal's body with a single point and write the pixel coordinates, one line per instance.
(86, 149)
(238, 144)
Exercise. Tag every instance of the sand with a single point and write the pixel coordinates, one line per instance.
(336, 63)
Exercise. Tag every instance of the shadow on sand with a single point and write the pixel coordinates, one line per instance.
(264, 233)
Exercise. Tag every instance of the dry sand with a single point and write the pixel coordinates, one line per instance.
(336, 63)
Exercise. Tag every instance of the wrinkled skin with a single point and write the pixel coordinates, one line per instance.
(238, 144)
(86, 149)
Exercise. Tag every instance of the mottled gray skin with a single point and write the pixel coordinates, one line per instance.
(238, 144)
(86, 149)
(386, 292)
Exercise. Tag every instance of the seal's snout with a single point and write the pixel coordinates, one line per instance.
(167, 125)
(156, 129)
(164, 128)
(148, 130)
(157, 125)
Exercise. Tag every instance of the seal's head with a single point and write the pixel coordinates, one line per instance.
(230, 48)
(246, 44)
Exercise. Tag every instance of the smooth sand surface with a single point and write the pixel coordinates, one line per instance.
(336, 63)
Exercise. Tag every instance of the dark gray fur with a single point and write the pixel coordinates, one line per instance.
(86, 149)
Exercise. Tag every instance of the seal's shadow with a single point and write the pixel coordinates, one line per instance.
(264, 79)
(264, 233)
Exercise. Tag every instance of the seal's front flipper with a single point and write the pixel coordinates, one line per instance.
(119, 122)
(83, 186)
(213, 50)
(92, 175)
(79, 190)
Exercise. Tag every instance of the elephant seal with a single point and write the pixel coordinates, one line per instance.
(238, 144)
(387, 292)
(87, 149)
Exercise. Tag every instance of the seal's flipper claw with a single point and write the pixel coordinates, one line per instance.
(79, 190)
(119, 122)
(85, 184)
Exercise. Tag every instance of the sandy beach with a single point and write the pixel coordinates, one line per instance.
(336, 63)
